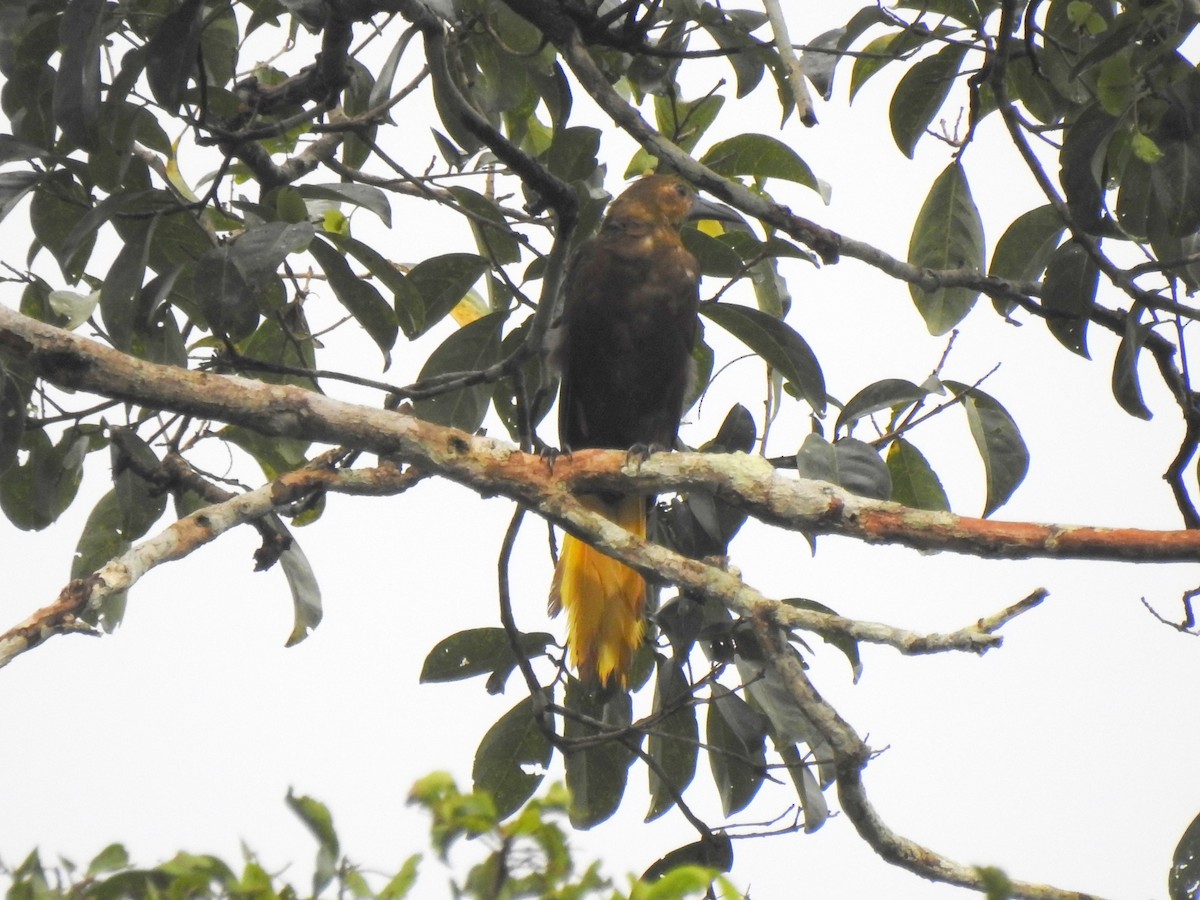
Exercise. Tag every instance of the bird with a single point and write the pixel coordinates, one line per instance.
(623, 352)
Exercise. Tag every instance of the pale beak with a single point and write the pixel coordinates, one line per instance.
(703, 208)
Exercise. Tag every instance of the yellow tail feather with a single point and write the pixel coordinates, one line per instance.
(603, 598)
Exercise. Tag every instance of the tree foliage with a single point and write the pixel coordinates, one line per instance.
(269, 267)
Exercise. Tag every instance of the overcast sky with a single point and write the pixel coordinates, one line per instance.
(1067, 756)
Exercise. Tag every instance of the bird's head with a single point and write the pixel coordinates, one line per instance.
(667, 200)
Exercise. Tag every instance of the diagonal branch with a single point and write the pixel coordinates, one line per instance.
(851, 755)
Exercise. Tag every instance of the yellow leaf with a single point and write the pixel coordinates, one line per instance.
(470, 308)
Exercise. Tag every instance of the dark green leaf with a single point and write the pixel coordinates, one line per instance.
(406, 298)
(673, 741)
(478, 651)
(1126, 386)
(1184, 881)
(889, 393)
(1005, 457)
(287, 342)
(714, 851)
(1081, 164)
(316, 817)
(141, 502)
(920, 95)
(511, 747)
(816, 810)
(54, 213)
(716, 258)
(361, 299)
(849, 463)
(777, 343)
(735, 734)
(1034, 90)
(496, 240)
(100, 542)
(442, 282)
(948, 234)
(122, 288)
(77, 87)
(848, 645)
(228, 301)
(914, 483)
(365, 195)
(760, 156)
(171, 53)
(1176, 182)
(471, 348)
(1026, 245)
(1068, 294)
(260, 250)
(572, 153)
(13, 409)
(14, 186)
(35, 494)
(596, 774)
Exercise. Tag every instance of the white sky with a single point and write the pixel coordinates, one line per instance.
(1065, 757)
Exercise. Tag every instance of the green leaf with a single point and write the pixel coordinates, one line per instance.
(948, 234)
(367, 196)
(442, 282)
(1024, 249)
(816, 810)
(306, 593)
(572, 153)
(1081, 163)
(171, 53)
(673, 741)
(317, 818)
(890, 393)
(596, 774)
(406, 297)
(1184, 879)
(736, 754)
(111, 858)
(101, 541)
(714, 852)
(1176, 183)
(780, 346)
(119, 307)
(402, 882)
(14, 404)
(1005, 457)
(141, 502)
(848, 645)
(1068, 294)
(1034, 90)
(228, 301)
(920, 95)
(495, 238)
(848, 462)
(1126, 386)
(472, 348)
(260, 250)
(914, 483)
(716, 257)
(35, 494)
(760, 156)
(479, 651)
(54, 214)
(515, 744)
(361, 299)
(77, 86)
